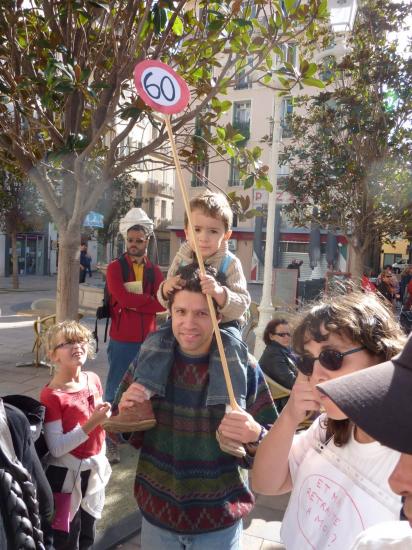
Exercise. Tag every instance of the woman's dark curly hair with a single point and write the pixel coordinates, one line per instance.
(364, 319)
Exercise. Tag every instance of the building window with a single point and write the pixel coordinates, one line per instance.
(163, 210)
(151, 212)
(163, 252)
(234, 178)
(290, 54)
(243, 78)
(241, 119)
(199, 169)
(285, 117)
(299, 248)
(283, 166)
(328, 68)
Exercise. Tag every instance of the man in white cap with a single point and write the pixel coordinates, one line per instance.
(379, 400)
(132, 283)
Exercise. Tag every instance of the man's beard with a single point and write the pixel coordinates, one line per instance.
(137, 254)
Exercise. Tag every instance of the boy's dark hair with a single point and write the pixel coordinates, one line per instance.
(271, 328)
(190, 274)
(214, 205)
(141, 228)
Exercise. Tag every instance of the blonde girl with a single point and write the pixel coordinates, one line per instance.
(77, 468)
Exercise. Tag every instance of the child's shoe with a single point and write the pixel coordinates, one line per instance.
(138, 418)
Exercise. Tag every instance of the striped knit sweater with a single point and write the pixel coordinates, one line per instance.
(184, 482)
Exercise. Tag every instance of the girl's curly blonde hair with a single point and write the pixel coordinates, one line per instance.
(72, 331)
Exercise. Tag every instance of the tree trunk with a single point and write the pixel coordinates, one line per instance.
(14, 259)
(356, 263)
(68, 273)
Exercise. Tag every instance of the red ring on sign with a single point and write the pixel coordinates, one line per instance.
(163, 91)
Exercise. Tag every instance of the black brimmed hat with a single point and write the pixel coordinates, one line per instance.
(379, 399)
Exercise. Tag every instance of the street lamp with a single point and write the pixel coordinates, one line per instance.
(266, 308)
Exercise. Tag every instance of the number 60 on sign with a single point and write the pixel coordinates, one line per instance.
(161, 87)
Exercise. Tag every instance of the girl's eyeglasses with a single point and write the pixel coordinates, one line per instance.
(328, 358)
(67, 345)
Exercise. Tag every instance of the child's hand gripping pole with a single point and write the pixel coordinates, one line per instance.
(237, 450)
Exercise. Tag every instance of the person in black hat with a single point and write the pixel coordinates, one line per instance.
(379, 400)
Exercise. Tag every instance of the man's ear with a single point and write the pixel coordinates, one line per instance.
(227, 235)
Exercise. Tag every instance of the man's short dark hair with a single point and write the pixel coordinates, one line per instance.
(190, 274)
(140, 228)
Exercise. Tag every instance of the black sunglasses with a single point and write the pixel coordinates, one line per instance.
(328, 358)
(281, 334)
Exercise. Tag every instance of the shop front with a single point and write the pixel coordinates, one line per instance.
(31, 254)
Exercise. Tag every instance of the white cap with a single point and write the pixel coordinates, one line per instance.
(135, 216)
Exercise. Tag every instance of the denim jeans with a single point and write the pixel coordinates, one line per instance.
(156, 360)
(120, 355)
(155, 538)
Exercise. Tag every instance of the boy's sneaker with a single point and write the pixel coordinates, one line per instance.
(112, 452)
(136, 419)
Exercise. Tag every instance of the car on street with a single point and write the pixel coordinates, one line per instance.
(400, 265)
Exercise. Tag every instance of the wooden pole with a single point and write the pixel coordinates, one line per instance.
(212, 311)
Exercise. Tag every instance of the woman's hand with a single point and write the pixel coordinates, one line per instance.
(302, 400)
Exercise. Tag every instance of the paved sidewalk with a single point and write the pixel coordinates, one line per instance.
(261, 528)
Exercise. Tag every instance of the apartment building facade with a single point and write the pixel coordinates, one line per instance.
(253, 114)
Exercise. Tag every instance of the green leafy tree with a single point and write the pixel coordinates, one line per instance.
(67, 96)
(21, 210)
(350, 152)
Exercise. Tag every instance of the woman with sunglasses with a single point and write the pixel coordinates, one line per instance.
(336, 472)
(77, 467)
(277, 360)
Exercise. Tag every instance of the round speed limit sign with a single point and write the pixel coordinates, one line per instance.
(161, 87)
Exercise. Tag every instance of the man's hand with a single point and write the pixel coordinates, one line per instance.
(213, 288)
(171, 284)
(240, 426)
(135, 393)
